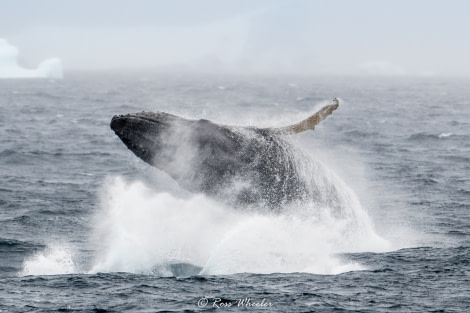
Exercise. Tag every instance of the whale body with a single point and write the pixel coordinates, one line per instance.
(245, 166)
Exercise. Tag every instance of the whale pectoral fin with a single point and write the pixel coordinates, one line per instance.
(310, 122)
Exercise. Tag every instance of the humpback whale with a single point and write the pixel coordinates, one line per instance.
(246, 166)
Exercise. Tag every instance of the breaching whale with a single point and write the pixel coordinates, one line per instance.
(241, 165)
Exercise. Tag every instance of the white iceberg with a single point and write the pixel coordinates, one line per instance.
(9, 68)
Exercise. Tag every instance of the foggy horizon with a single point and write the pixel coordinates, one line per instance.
(360, 38)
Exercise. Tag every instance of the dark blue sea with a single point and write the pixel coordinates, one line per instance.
(86, 226)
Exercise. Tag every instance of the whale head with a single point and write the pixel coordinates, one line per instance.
(198, 154)
(143, 133)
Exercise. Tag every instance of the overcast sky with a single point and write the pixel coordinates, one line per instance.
(344, 37)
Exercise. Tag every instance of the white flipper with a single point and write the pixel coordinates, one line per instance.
(308, 123)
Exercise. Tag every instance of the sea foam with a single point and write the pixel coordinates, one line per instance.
(54, 260)
(139, 229)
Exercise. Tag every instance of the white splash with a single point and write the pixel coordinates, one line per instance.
(54, 260)
(445, 135)
(9, 68)
(140, 229)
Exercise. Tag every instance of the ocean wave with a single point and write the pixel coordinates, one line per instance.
(13, 157)
(13, 252)
(435, 136)
(361, 134)
(8, 245)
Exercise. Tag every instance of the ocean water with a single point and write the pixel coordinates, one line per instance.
(86, 226)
